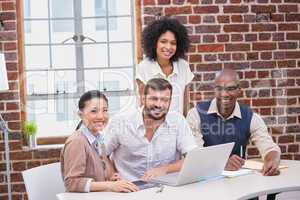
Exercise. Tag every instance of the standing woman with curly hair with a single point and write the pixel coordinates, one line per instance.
(165, 42)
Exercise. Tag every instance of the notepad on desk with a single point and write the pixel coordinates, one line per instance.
(257, 165)
(240, 172)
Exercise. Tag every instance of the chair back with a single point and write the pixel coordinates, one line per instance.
(43, 182)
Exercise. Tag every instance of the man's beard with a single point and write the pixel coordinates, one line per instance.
(148, 113)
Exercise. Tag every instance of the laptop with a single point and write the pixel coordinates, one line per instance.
(201, 163)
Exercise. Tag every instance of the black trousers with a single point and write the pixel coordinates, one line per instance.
(269, 197)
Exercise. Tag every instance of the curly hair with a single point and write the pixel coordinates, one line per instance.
(154, 30)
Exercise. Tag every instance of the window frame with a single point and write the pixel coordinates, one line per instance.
(137, 56)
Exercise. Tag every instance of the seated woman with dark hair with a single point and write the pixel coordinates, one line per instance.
(84, 164)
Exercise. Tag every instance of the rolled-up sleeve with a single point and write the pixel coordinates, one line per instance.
(193, 120)
(185, 140)
(74, 156)
(261, 137)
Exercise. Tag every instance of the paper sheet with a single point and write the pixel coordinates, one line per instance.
(241, 172)
(257, 165)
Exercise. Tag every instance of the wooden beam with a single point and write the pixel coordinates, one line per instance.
(138, 31)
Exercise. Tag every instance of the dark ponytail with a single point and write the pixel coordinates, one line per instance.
(86, 97)
(79, 125)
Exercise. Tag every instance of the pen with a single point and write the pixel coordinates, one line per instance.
(241, 151)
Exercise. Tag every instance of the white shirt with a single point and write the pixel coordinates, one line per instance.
(179, 78)
(258, 129)
(133, 154)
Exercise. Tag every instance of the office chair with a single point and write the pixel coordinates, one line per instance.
(43, 182)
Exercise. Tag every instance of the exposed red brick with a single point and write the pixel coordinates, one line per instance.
(12, 106)
(237, 47)
(292, 17)
(285, 82)
(288, 27)
(8, 6)
(252, 151)
(8, 36)
(266, 55)
(263, 74)
(250, 74)
(223, 38)
(193, 1)
(163, 2)
(178, 10)
(223, 19)
(211, 48)
(293, 148)
(286, 64)
(276, 130)
(238, 56)
(209, 67)
(277, 36)
(235, 9)
(293, 92)
(208, 29)
(285, 139)
(210, 57)
(263, 64)
(237, 66)
(236, 18)
(264, 36)
(195, 58)
(288, 8)
(209, 19)
(9, 96)
(235, 1)
(263, 27)
(263, 102)
(14, 126)
(153, 10)
(293, 36)
(251, 37)
(249, 18)
(260, 46)
(208, 38)
(224, 57)
(265, 111)
(148, 2)
(277, 18)
(288, 45)
(263, 8)
(283, 148)
(252, 56)
(206, 9)
(194, 19)
(236, 28)
(178, 2)
(237, 37)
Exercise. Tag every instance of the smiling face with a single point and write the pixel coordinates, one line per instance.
(226, 92)
(166, 46)
(95, 114)
(157, 103)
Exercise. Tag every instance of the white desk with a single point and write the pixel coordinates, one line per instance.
(240, 188)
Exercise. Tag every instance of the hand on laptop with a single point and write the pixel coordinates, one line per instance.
(234, 163)
(154, 172)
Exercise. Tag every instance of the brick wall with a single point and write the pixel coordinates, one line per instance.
(224, 33)
(21, 158)
(258, 38)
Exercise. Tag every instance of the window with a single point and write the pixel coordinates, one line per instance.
(72, 46)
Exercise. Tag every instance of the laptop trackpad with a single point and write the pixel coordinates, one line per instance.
(168, 179)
